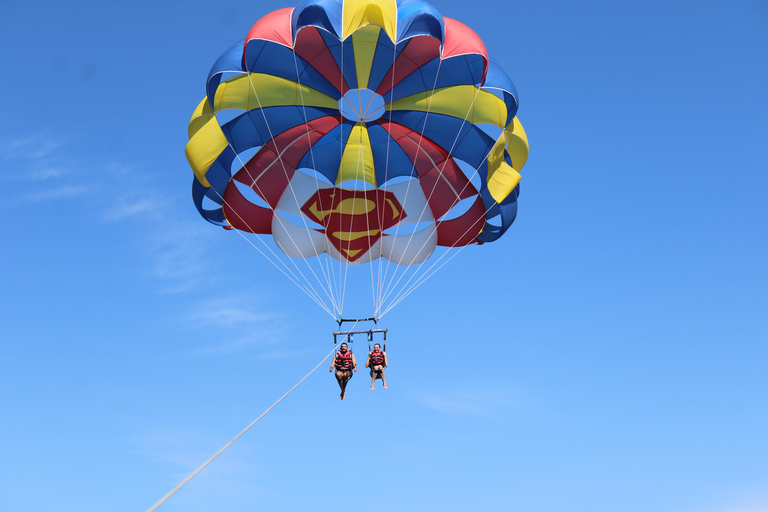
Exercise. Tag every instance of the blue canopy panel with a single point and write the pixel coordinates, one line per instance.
(325, 155)
(275, 59)
(498, 82)
(256, 127)
(325, 14)
(335, 47)
(461, 70)
(460, 138)
(219, 174)
(389, 159)
(423, 79)
(416, 18)
(385, 55)
(230, 61)
(506, 212)
(199, 192)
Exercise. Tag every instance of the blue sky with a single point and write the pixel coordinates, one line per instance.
(608, 353)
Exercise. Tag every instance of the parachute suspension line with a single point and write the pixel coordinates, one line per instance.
(380, 279)
(405, 292)
(343, 269)
(282, 164)
(339, 278)
(386, 292)
(285, 270)
(327, 270)
(383, 278)
(314, 295)
(434, 229)
(360, 163)
(195, 472)
(328, 291)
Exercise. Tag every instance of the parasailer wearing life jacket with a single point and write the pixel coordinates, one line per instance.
(344, 362)
(377, 361)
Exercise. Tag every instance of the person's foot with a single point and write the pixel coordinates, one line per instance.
(385, 386)
(371, 388)
(341, 396)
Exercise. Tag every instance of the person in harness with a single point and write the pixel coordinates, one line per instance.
(377, 361)
(344, 362)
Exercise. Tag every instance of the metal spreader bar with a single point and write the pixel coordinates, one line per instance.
(349, 334)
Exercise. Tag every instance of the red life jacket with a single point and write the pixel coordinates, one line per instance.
(377, 358)
(343, 361)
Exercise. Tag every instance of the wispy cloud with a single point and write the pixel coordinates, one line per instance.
(30, 147)
(182, 451)
(33, 166)
(177, 253)
(178, 250)
(175, 248)
(478, 401)
(240, 321)
(229, 311)
(45, 173)
(126, 208)
(60, 192)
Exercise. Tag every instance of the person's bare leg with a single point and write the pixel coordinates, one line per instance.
(383, 379)
(342, 383)
(373, 379)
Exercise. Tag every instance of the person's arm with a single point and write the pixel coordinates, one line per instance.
(354, 362)
(333, 363)
(368, 361)
(386, 363)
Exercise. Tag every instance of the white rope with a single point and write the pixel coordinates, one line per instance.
(195, 472)
(327, 270)
(290, 187)
(382, 292)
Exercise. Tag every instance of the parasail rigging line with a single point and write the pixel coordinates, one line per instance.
(293, 192)
(198, 470)
(403, 293)
(384, 293)
(325, 265)
(406, 290)
(314, 295)
(380, 275)
(286, 270)
(392, 284)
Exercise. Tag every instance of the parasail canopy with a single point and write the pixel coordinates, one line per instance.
(362, 131)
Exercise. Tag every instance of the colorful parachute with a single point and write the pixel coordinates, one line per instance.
(363, 129)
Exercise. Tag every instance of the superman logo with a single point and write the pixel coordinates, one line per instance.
(354, 220)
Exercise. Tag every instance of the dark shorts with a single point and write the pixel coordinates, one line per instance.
(345, 374)
(377, 371)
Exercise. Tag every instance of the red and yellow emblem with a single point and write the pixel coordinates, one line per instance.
(354, 220)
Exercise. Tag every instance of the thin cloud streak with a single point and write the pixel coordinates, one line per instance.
(478, 402)
(184, 450)
(240, 321)
(140, 208)
(47, 173)
(63, 192)
(32, 147)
